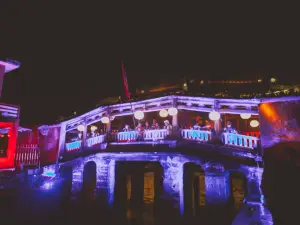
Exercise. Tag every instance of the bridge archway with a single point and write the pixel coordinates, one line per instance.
(194, 189)
(89, 181)
(138, 188)
(238, 190)
(67, 175)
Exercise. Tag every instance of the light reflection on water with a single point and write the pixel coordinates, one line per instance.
(48, 204)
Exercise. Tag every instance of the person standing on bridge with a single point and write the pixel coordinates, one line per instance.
(139, 129)
(229, 128)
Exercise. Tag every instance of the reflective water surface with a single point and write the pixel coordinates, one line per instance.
(137, 200)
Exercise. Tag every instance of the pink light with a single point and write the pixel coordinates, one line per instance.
(9, 66)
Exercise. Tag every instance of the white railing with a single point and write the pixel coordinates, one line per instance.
(95, 140)
(160, 134)
(72, 146)
(127, 136)
(197, 135)
(240, 140)
(148, 135)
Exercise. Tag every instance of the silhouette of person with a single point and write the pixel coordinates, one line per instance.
(280, 183)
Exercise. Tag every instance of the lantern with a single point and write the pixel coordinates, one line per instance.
(172, 111)
(93, 128)
(80, 128)
(105, 120)
(139, 115)
(214, 116)
(245, 116)
(163, 113)
(254, 123)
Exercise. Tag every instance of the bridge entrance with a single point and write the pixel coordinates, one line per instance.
(137, 189)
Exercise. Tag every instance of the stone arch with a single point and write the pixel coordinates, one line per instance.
(89, 180)
(193, 189)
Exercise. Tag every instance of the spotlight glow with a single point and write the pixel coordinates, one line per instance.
(245, 116)
(163, 113)
(139, 115)
(80, 128)
(254, 123)
(214, 116)
(105, 120)
(172, 111)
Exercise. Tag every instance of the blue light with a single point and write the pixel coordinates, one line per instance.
(95, 140)
(49, 174)
(47, 185)
(73, 145)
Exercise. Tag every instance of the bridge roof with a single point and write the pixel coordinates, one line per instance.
(9, 66)
(193, 103)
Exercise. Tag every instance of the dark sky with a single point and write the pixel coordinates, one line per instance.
(70, 52)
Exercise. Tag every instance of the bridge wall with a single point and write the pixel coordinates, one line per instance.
(217, 177)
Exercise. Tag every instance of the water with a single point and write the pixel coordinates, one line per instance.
(40, 204)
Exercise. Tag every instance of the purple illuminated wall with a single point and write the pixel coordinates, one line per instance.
(217, 181)
(279, 121)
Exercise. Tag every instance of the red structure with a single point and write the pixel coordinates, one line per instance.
(9, 122)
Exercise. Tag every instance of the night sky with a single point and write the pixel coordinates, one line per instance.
(71, 52)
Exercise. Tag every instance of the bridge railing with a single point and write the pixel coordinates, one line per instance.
(27, 155)
(126, 136)
(147, 135)
(240, 140)
(92, 141)
(160, 134)
(197, 135)
(73, 146)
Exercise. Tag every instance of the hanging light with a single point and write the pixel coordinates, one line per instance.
(105, 120)
(254, 123)
(245, 116)
(163, 113)
(80, 128)
(172, 111)
(214, 116)
(93, 128)
(139, 115)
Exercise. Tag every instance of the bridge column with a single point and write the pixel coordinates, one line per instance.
(172, 193)
(102, 185)
(175, 117)
(62, 140)
(254, 177)
(217, 188)
(84, 135)
(108, 127)
(77, 181)
(217, 123)
(253, 209)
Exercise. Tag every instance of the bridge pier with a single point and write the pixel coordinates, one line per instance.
(77, 181)
(253, 185)
(253, 210)
(193, 189)
(172, 199)
(217, 188)
(102, 185)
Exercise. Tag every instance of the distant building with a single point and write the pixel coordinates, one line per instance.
(221, 88)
